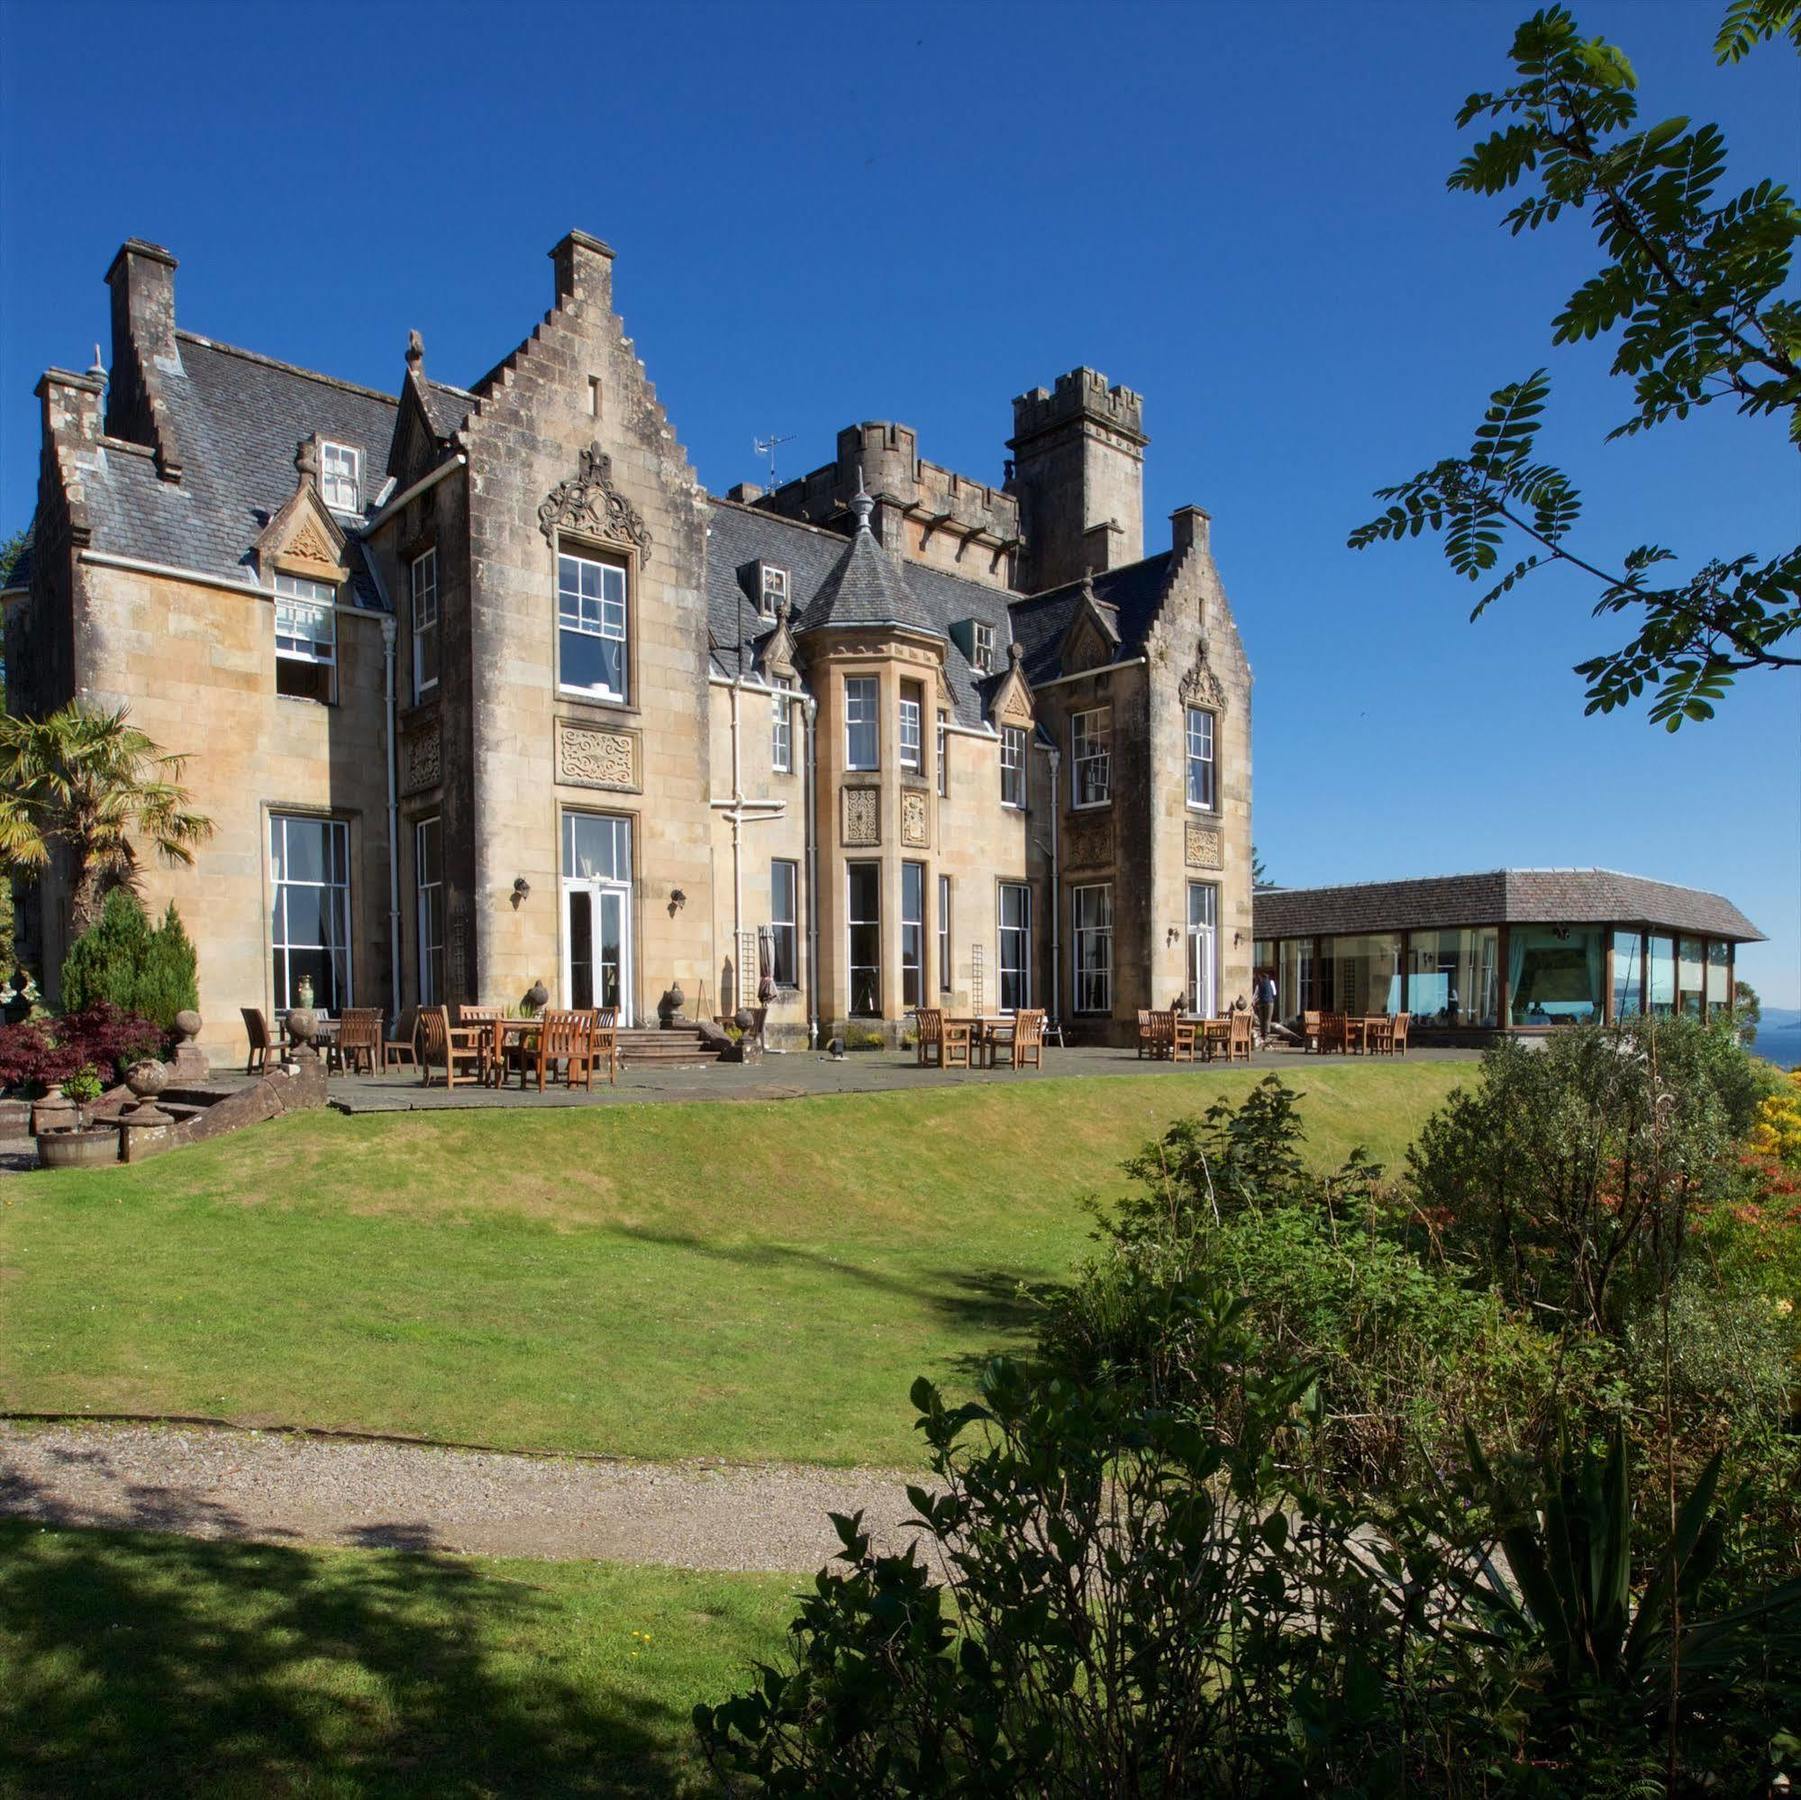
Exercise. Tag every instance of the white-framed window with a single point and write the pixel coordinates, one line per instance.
(428, 881)
(781, 727)
(1015, 945)
(981, 654)
(422, 574)
(340, 470)
(944, 934)
(863, 881)
(942, 750)
(913, 934)
(772, 589)
(1093, 907)
(912, 720)
(1202, 789)
(591, 627)
(784, 921)
(306, 638)
(861, 727)
(1013, 766)
(1203, 948)
(1091, 756)
(309, 912)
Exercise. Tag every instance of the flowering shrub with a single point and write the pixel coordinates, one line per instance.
(1777, 1132)
(43, 1053)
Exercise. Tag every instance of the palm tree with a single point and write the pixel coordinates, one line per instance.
(93, 783)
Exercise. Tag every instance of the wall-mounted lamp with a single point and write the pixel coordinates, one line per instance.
(677, 900)
(522, 890)
(1171, 935)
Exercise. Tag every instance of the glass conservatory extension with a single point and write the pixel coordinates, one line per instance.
(1513, 950)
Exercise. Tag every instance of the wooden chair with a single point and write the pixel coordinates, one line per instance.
(1163, 1035)
(359, 1038)
(446, 1047)
(1332, 1034)
(956, 1044)
(1026, 1039)
(256, 1027)
(606, 1043)
(1397, 1034)
(1182, 1037)
(929, 1043)
(1144, 1032)
(483, 1018)
(1239, 1039)
(1378, 1031)
(567, 1039)
(1310, 1022)
(403, 1046)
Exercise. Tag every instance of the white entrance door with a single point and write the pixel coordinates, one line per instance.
(597, 946)
(1203, 948)
(597, 912)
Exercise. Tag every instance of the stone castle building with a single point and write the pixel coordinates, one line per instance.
(481, 688)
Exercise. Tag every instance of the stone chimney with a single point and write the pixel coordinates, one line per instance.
(1078, 471)
(1190, 528)
(142, 278)
(584, 267)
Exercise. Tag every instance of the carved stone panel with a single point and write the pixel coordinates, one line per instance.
(591, 757)
(862, 816)
(1204, 848)
(1088, 843)
(421, 760)
(588, 502)
(915, 821)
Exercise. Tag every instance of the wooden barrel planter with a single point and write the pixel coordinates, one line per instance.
(93, 1148)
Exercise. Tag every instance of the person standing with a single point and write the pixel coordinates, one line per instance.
(1264, 990)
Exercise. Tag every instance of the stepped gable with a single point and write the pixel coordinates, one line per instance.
(1131, 596)
(236, 417)
(740, 535)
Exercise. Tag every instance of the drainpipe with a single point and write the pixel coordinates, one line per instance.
(737, 816)
(1056, 757)
(810, 712)
(389, 633)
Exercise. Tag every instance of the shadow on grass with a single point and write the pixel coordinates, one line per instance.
(1000, 1303)
(134, 1664)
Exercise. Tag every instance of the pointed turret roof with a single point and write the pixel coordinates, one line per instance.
(867, 587)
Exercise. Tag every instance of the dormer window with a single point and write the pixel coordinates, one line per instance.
(339, 469)
(306, 638)
(981, 654)
(772, 589)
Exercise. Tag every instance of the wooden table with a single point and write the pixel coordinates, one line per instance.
(499, 1032)
(983, 1029)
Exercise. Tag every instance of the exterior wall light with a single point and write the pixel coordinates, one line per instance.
(522, 890)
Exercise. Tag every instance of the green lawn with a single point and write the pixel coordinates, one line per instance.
(740, 1281)
(134, 1664)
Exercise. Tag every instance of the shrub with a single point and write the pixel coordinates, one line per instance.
(84, 1086)
(42, 1053)
(123, 961)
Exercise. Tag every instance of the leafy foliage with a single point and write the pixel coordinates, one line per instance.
(42, 1053)
(92, 783)
(1693, 286)
(123, 961)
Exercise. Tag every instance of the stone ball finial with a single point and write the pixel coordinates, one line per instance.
(303, 1025)
(1016, 653)
(148, 1078)
(415, 352)
(187, 1024)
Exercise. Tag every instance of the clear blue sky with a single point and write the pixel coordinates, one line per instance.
(825, 214)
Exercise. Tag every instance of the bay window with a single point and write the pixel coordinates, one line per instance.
(861, 740)
(864, 914)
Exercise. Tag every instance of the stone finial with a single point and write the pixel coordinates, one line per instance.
(1016, 653)
(415, 353)
(861, 504)
(1088, 592)
(98, 370)
(784, 611)
(306, 459)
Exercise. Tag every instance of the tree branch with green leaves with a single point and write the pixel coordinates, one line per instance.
(1696, 293)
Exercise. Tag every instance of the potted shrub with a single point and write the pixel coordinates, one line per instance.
(77, 1145)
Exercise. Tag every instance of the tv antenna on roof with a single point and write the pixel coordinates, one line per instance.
(766, 447)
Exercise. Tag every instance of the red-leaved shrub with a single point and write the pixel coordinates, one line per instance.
(41, 1053)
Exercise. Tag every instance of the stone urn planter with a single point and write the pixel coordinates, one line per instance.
(93, 1148)
(190, 1059)
(669, 1008)
(55, 1112)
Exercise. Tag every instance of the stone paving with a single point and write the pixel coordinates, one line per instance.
(800, 1074)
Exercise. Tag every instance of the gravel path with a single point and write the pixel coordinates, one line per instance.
(276, 1487)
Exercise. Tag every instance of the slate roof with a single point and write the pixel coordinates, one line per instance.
(1514, 896)
(445, 406)
(236, 418)
(739, 535)
(866, 587)
(1130, 595)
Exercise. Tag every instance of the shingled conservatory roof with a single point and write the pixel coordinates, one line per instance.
(1510, 896)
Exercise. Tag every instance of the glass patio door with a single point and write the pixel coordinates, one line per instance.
(1203, 948)
(597, 914)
